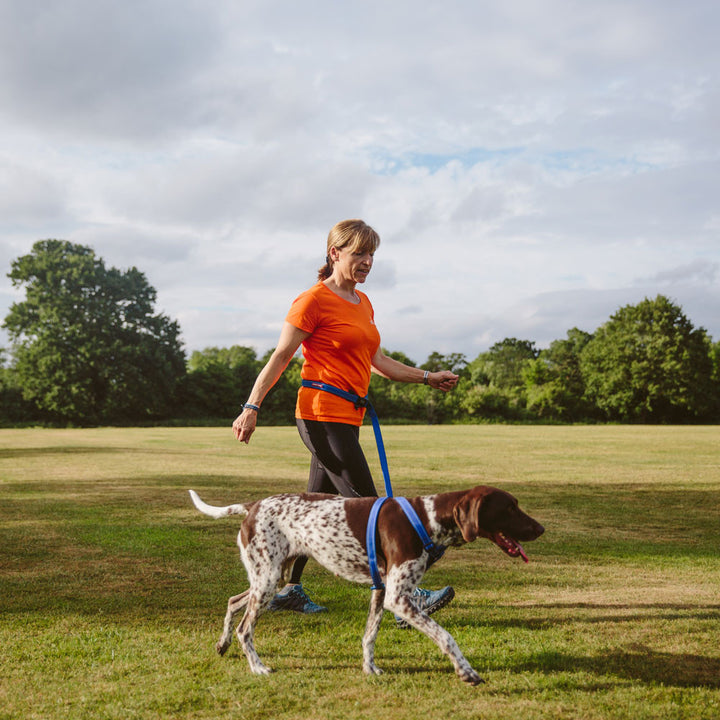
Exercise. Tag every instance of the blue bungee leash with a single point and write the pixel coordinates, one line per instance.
(371, 542)
(360, 402)
(434, 551)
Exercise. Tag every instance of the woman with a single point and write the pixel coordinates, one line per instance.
(341, 345)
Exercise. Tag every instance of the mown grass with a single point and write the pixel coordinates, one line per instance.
(113, 588)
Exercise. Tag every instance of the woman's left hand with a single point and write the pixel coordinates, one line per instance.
(443, 380)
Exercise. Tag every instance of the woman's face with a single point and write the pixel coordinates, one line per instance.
(353, 266)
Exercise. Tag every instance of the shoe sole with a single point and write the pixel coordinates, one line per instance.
(302, 611)
(439, 605)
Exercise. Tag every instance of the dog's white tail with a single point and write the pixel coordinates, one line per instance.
(217, 512)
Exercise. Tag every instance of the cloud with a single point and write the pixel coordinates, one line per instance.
(698, 272)
(29, 197)
(530, 167)
(104, 70)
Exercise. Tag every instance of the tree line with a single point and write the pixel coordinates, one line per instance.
(88, 348)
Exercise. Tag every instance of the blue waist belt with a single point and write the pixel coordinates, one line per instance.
(360, 402)
(434, 551)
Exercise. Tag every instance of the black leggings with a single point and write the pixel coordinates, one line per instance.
(337, 465)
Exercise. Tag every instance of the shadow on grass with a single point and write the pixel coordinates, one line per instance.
(14, 453)
(592, 614)
(637, 663)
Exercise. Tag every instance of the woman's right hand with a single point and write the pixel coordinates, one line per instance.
(289, 342)
(244, 425)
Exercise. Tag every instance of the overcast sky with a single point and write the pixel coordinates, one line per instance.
(531, 166)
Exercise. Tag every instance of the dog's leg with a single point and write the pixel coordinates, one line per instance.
(235, 604)
(371, 630)
(398, 601)
(246, 630)
(262, 591)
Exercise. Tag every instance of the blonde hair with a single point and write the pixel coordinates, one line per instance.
(355, 235)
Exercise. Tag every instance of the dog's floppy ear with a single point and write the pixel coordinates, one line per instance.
(467, 513)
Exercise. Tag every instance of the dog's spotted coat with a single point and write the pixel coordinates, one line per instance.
(331, 529)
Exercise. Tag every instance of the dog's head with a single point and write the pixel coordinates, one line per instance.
(494, 514)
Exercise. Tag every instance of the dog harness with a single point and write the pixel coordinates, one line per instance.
(434, 551)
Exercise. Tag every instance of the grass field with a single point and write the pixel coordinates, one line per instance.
(113, 588)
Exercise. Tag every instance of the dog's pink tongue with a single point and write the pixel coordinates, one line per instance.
(521, 551)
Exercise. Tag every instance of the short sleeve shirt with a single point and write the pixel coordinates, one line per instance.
(343, 340)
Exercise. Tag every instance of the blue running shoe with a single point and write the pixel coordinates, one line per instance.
(429, 601)
(295, 599)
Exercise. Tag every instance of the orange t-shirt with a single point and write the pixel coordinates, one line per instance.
(338, 352)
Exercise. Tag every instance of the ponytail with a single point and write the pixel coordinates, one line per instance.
(326, 270)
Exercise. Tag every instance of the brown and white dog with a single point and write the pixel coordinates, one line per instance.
(332, 530)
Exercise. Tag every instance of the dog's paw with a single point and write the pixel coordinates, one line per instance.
(260, 669)
(222, 647)
(471, 677)
(372, 669)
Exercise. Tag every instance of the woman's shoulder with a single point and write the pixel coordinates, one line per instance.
(364, 299)
(310, 293)
(307, 301)
(324, 298)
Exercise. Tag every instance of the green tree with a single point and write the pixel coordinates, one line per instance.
(496, 381)
(649, 364)
(87, 345)
(13, 407)
(209, 392)
(715, 398)
(504, 365)
(555, 385)
(485, 402)
(393, 400)
(440, 407)
(454, 362)
(412, 402)
(234, 357)
(218, 381)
